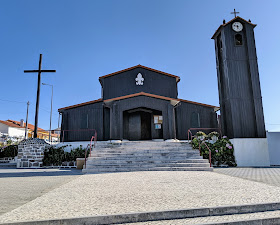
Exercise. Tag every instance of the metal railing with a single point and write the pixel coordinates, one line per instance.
(90, 147)
(191, 135)
(210, 156)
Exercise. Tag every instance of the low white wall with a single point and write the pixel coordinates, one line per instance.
(251, 152)
(273, 139)
(72, 145)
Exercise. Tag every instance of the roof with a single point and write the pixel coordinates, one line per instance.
(223, 25)
(157, 96)
(144, 67)
(10, 124)
(81, 104)
(30, 126)
(135, 95)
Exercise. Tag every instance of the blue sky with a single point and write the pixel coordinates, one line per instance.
(83, 40)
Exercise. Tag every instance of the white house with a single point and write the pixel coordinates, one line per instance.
(11, 129)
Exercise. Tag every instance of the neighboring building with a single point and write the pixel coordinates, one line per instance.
(138, 103)
(10, 129)
(16, 129)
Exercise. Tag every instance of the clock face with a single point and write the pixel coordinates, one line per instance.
(237, 26)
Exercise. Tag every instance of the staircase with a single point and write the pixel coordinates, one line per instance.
(145, 156)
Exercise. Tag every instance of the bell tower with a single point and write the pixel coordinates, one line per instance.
(238, 80)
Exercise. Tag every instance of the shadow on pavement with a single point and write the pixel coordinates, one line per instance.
(8, 172)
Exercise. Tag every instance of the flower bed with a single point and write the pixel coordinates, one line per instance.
(221, 151)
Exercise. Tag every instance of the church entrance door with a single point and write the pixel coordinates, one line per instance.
(137, 125)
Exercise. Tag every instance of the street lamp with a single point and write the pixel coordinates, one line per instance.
(51, 111)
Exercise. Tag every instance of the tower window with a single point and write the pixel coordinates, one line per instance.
(238, 39)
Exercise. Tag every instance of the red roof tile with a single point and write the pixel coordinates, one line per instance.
(30, 126)
(81, 104)
(157, 96)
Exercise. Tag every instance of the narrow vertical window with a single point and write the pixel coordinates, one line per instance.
(84, 121)
(195, 120)
(238, 39)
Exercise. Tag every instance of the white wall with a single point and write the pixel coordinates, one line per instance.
(72, 145)
(3, 128)
(16, 132)
(251, 152)
(273, 139)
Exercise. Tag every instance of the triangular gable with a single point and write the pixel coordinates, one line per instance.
(140, 66)
(223, 25)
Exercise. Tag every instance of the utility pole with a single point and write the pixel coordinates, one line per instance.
(26, 122)
(50, 140)
(58, 120)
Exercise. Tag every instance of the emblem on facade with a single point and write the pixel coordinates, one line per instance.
(139, 79)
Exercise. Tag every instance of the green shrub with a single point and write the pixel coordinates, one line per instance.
(9, 152)
(55, 156)
(221, 151)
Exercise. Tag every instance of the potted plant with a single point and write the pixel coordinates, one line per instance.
(200, 135)
(214, 136)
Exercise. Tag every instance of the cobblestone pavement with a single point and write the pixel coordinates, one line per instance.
(269, 176)
(19, 186)
(213, 219)
(115, 193)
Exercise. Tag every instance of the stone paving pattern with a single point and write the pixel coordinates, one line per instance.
(265, 175)
(115, 193)
(19, 186)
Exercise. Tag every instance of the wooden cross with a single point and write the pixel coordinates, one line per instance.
(39, 71)
(234, 12)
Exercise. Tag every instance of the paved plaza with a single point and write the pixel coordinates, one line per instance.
(269, 176)
(19, 186)
(115, 193)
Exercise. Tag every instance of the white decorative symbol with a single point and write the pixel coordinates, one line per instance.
(139, 79)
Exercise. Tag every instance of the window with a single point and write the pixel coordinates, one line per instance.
(238, 39)
(195, 120)
(84, 121)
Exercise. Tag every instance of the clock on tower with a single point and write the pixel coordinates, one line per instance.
(238, 80)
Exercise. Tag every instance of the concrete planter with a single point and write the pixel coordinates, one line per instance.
(80, 163)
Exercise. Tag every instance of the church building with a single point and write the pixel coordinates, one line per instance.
(137, 103)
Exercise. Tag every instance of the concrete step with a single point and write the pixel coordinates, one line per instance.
(165, 155)
(102, 165)
(229, 215)
(146, 158)
(130, 151)
(121, 161)
(184, 165)
(131, 169)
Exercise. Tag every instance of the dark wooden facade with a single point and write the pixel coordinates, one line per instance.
(238, 81)
(127, 110)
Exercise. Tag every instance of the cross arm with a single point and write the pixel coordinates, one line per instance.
(36, 71)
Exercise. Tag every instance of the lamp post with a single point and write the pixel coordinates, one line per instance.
(51, 111)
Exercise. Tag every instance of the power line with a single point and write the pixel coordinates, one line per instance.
(5, 100)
